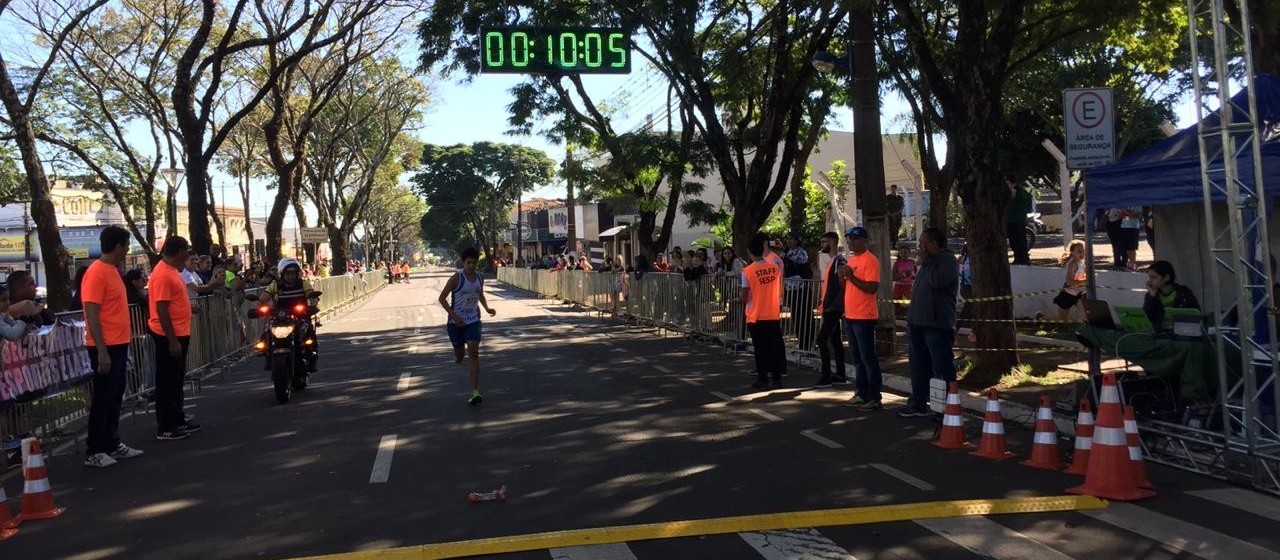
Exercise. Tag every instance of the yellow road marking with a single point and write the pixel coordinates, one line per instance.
(724, 525)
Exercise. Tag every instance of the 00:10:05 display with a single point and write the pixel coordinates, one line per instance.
(522, 49)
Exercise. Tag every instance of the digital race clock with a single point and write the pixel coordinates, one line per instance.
(555, 50)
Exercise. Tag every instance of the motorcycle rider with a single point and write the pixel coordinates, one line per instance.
(289, 289)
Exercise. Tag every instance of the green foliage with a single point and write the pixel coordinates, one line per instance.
(815, 215)
(12, 187)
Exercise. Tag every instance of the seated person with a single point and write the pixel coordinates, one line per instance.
(22, 289)
(1163, 293)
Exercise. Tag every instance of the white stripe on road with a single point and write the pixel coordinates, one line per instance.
(662, 369)
(1205, 543)
(795, 544)
(1243, 500)
(765, 415)
(726, 398)
(382, 462)
(989, 539)
(405, 380)
(812, 434)
(612, 551)
(693, 382)
(891, 471)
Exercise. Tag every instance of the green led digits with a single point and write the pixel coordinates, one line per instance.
(519, 49)
(554, 50)
(568, 49)
(620, 51)
(593, 49)
(493, 47)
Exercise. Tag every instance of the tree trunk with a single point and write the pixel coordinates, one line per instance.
(217, 218)
(746, 224)
(57, 278)
(340, 249)
(248, 219)
(1265, 17)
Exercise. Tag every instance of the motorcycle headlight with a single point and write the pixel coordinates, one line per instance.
(282, 331)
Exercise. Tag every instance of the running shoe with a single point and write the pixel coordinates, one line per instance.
(125, 452)
(869, 406)
(912, 412)
(855, 401)
(173, 435)
(190, 428)
(475, 398)
(101, 460)
(777, 383)
(824, 382)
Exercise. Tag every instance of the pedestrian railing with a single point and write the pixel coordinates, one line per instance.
(45, 378)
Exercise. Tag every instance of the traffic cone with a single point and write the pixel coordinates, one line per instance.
(992, 445)
(1110, 474)
(1044, 451)
(1135, 449)
(8, 525)
(951, 436)
(37, 495)
(1084, 440)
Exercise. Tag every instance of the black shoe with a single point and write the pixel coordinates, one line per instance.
(775, 384)
(190, 428)
(912, 412)
(823, 382)
(760, 384)
(172, 435)
(839, 379)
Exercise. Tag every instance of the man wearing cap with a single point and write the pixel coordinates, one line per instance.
(861, 313)
(797, 271)
(832, 306)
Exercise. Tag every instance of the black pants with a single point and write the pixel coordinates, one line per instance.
(1116, 237)
(170, 373)
(829, 345)
(770, 350)
(108, 390)
(1018, 243)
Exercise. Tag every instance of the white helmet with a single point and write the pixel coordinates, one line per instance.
(286, 263)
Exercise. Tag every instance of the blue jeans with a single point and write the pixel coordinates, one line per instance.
(108, 391)
(929, 351)
(866, 365)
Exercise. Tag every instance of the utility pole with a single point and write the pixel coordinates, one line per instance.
(26, 236)
(568, 184)
(519, 227)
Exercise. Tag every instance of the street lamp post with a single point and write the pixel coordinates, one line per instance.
(172, 176)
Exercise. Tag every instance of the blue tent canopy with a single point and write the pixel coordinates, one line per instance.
(1169, 172)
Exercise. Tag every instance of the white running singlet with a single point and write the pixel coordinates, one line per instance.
(466, 297)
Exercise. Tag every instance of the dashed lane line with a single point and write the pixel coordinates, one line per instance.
(812, 434)
(405, 380)
(765, 415)
(662, 369)
(693, 382)
(382, 462)
(891, 471)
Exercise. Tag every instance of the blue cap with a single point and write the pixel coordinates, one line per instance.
(857, 232)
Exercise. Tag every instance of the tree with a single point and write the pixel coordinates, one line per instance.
(472, 189)
(18, 94)
(244, 157)
(11, 182)
(398, 218)
(357, 142)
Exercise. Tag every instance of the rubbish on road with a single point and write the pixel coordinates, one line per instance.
(1135, 449)
(993, 445)
(8, 525)
(1044, 450)
(951, 436)
(37, 494)
(1084, 440)
(499, 494)
(1110, 474)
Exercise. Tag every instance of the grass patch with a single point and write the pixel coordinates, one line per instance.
(1024, 375)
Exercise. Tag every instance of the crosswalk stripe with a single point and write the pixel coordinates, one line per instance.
(795, 544)
(1241, 499)
(989, 539)
(611, 551)
(1187, 537)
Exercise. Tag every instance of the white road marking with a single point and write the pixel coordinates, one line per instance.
(620, 350)
(1180, 535)
(886, 469)
(641, 359)
(382, 462)
(765, 415)
(723, 396)
(693, 382)
(795, 544)
(662, 369)
(989, 539)
(612, 551)
(405, 380)
(813, 435)
(1243, 500)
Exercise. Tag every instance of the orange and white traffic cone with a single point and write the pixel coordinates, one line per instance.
(8, 525)
(1084, 440)
(37, 494)
(1135, 449)
(1110, 474)
(952, 434)
(1044, 450)
(992, 445)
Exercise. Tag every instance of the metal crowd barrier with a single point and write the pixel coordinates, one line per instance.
(219, 333)
(704, 308)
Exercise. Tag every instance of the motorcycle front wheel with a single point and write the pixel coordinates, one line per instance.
(281, 365)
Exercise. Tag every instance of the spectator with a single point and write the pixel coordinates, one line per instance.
(660, 264)
(861, 313)
(831, 302)
(196, 284)
(22, 289)
(693, 288)
(232, 278)
(1164, 293)
(11, 328)
(931, 320)
(894, 204)
(206, 270)
(642, 266)
(1072, 294)
(762, 294)
(135, 287)
(217, 256)
(966, 289)
(1115, 235)
(170, 328)
(1130, 228)
(1016, 219)
(797, 271)
(76, 302)
(1149, 225)
(106, 336)
(706, 259)
(730, 264)
(904, 273)
(677, 261)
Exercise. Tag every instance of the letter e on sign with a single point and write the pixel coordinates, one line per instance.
(1089, 115)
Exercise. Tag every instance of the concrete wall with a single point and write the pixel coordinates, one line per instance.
(1115, 287)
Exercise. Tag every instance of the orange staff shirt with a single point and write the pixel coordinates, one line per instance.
(103, 285)
(166, 285)
(857, 303)
(763, 280)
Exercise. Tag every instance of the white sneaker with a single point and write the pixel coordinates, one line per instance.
(99, 460)
(126, 452)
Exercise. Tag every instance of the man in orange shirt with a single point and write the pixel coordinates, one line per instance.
(107, 334)
(861, 313)
(762, 292)
(170, 326)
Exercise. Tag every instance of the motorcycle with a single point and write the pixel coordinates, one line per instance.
(289, 344)
(1035, 225)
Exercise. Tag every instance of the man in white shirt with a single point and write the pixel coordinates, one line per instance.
(195, 285)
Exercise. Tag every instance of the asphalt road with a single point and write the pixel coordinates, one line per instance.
(588, 423)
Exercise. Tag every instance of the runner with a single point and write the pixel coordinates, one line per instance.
(466, 289)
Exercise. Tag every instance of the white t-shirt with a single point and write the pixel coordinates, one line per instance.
(190, 277)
